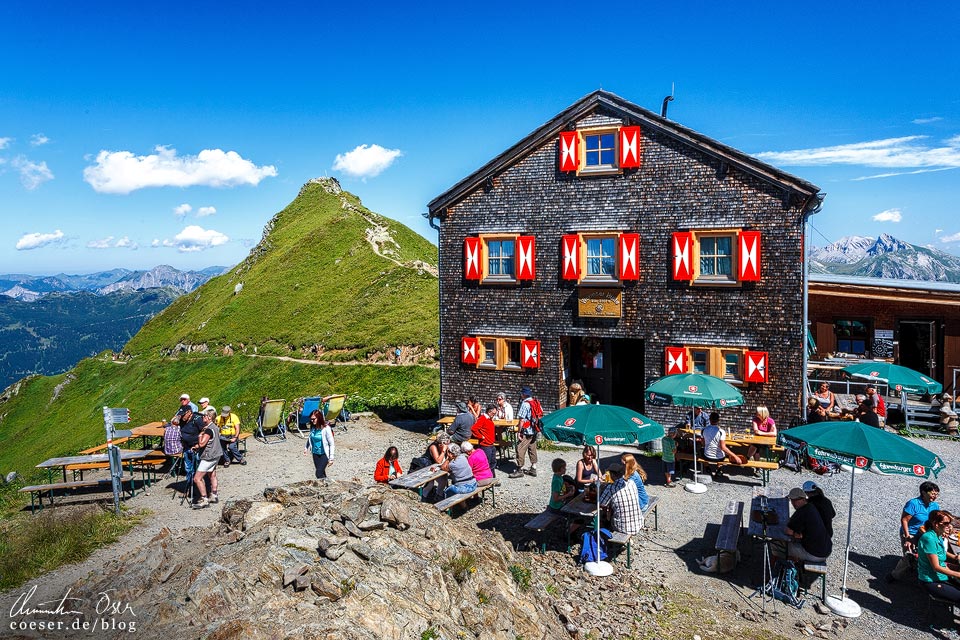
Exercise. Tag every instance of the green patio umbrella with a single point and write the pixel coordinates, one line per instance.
(598, 424)
(694, 390)
(860, 446)
(902, 379)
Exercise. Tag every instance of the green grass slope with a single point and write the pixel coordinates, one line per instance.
(314, 286)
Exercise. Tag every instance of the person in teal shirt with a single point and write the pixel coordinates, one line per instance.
(669, 446)
(560, 489)
(932, 569)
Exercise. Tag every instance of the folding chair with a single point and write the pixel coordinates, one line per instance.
(301, 426)
(334, 412)
(270, 418)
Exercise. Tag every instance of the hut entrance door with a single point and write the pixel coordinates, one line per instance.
(919, 346)
(609, 369)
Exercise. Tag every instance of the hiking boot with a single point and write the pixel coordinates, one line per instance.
(516, 474)
(244, 461)
(201, 504)
(214, 498)
(531, 472)
(226, 464)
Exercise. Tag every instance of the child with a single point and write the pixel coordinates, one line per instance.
(560, 489)
(669, 445)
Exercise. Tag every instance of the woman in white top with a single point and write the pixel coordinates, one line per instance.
(320, 444)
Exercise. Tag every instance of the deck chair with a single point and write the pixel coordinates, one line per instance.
(300, 425)
(334, 412)
(271, 419)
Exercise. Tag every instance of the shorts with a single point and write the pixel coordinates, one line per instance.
(206, 466)
(669, 467)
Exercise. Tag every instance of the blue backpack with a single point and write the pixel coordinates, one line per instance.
(588, 546)
(785, 585)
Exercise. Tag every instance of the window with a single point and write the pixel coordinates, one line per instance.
(715, 257)
(852, 336)
(722, 362)
(601, 258)
(700, 361)
(500, 353)
(598, 151)
(500, 259)
(732, 366)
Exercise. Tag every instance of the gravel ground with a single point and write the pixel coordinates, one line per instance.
(688, 523)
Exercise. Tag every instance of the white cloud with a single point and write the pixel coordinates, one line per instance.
(38, 139)
(100, 244)
(123, 172)
(890, 153)
(206, 211)
(155, 242)
(195, 238)
(32, 174)
(108, 243)
(126, 243)
(366, 161)
(5, 142)
(953, 237)
(927, 120)
(36, 240)
(890, 215)
(182, 209)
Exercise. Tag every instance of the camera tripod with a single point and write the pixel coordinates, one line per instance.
(765, 516)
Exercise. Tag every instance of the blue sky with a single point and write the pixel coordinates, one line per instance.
(135, 134)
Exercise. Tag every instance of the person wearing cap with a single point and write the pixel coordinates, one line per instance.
(527, 436)
(191, 425)
(184, 404)
(229, 424)
(668, 444)
(822, 504)
(504, 408)
(462, 425)
(810, 542)
(204, 405)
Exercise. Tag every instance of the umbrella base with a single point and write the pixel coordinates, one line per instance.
(598, 568)
(695, 487)
(844, 607)
(703, 477)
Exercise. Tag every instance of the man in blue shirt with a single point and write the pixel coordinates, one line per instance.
(914, 516)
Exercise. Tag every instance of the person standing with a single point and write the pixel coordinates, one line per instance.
(486, 434)
(527, 436)
(669, 456)
(320, 444)
(229, 424)
(209, 453)
(915, 514)
(190, 427)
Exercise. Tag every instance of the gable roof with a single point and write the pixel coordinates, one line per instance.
(632, 114)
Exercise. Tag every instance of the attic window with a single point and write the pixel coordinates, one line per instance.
(599, 151)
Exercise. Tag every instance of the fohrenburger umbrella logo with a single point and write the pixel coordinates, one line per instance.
(899, 387)
(861, 462)
(919, 470)
(598, 439)
(692, 388)
(874, 373)
(569, 422)
(637, 420)
(723, 402)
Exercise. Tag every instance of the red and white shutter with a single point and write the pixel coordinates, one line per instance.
(629, 256)
(469, 350)
(526, 258)
(530, 354)
(675, 360)
(471, 258)
(756, 369)
(682, 255)
(570, 250)
(749, 256)
(629, 147)
(569, 152)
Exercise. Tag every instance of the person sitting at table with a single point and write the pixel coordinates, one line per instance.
(914, 515)
(810, 542)
(633, 472)
(587, 468)
(486, 434)
(715, 446)
(437, 455)
(826, 398)
(762, 426)
(699, 419)
(504, 408)
(933, 572)
(815, 411)
(479, 464)
(561, 491)
(575, 395)
(878, 401)
(210, 452)
(868, 415)
(620, 497)
(388, 467)
(821, 503)
(229, 425)
(460, 429)
(457, 466)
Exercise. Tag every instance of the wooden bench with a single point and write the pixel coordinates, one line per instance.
(652, 506)
(100, 448)
(730, 528)
(541, 523)
(448, 503)
(820, 571)
(623, 540)
(40, 489)
(765, 466)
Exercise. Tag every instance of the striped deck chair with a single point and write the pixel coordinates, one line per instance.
(300, 426)
(334, 412)
(271, 419)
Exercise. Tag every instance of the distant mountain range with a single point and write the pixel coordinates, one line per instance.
(884, 257)
(29, 288)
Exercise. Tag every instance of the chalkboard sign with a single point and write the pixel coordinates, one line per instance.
(883, 343)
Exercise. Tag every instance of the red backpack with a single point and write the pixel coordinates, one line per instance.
(536, 415)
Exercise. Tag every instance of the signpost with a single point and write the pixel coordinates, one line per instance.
(110, 418)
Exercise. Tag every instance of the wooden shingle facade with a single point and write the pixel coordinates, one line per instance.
(613, 246)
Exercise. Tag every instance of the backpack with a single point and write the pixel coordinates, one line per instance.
(535, 421)
(588, 546)
(791, 460)
(785, 585)
(171, 440)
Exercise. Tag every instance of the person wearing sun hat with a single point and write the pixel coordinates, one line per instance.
(229, 425)
(822, 503)
(809, 539)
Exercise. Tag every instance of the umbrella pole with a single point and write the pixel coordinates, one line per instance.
(906, 415)
(696, 486)
(600, 567)
(843, 606)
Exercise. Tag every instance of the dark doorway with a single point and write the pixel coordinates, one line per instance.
(919, 346)
(611, 370)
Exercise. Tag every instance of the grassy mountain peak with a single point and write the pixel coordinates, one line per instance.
(329, 280)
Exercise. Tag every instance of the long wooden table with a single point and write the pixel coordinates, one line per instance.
(126, 455)
(416, 480)
(775, 500)
(149, 431)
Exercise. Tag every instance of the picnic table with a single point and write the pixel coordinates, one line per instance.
(504, 435)
(126, 455)
(775, 500)
(149, 431)
(416, 480)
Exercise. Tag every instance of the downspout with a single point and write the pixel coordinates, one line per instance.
(813, 205)
(430, 220)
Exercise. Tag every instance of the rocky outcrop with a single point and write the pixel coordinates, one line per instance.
(327, 560)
